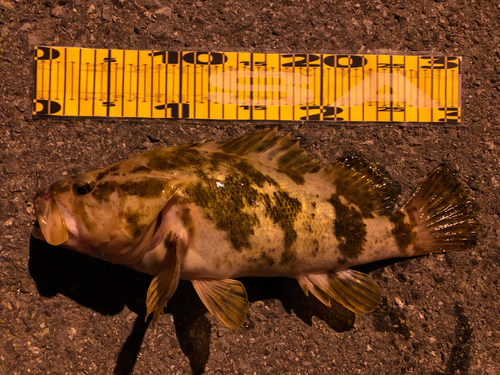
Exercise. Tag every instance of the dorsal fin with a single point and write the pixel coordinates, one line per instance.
(363, 184)
(269, 148)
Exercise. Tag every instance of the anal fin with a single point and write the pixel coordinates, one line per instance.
(227, 299)
(355, 290)
(308, 286)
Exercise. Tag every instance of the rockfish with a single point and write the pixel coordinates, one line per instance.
(256, 205)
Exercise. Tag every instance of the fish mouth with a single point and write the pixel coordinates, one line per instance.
(37, 231)
(50, 225)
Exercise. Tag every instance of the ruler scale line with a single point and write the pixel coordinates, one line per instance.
(64, 94)
(348, 84)
(445, 88)
(391, 92)
(223, 87)
(165, 100)
(405, 105)
(79, 80)
(108, 101)
(180, 78)
(251, 86)
(279, 92)
(93, 83)
(123, 84)
(50, 77)
(152, 86)
(321, 87)
(208, 85)
(194, 87)
(137, 87)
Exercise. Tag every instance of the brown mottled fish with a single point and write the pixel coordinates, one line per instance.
(253, 206)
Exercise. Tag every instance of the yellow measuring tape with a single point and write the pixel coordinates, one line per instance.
(246, 86)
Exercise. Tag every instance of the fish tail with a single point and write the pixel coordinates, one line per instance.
(437, 218)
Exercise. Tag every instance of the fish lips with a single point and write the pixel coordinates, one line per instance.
(51, 224)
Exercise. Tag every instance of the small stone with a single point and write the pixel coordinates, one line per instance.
(34, 349)
(165, 11)
(199, 21)
(8, 223)
(106, 14)
(399, 302)
(495, 182)
(91, 9)
(33, 39)
(57, 12)
(179, 39)
(25, 27)
(71, 333)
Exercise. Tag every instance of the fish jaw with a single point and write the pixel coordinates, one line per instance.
(51, 222)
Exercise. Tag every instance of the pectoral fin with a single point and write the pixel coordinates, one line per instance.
(225, 298)
(163, 286)
(355, 290)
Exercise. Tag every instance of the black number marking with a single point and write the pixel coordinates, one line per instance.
(46, 110)
(384, 109)
(451, 114)
(389, 109)
(46, 53)
(439, 62)
(353, 61)
(168, 57)
(388, 66)
(174, 109)
(325, 110)
(254, 107)
(301, 60)
(214, 58)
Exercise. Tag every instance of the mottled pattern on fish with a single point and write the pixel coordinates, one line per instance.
(253, 206)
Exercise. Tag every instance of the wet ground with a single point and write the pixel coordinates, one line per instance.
(62, 312)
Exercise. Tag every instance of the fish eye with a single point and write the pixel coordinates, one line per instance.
(83, 187)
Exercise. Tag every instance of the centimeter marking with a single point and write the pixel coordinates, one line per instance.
(246, 86)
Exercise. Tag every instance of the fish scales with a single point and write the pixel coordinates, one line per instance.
(253, 206)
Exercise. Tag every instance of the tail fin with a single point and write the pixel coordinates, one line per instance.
(440, 217)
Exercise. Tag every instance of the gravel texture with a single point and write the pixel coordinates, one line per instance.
(64, 313)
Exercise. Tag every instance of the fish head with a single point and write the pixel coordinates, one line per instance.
(108, 213)
(50, 223)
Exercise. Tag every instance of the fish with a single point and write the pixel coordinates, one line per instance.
(257, 205)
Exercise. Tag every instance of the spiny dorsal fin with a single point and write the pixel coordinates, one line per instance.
(363, 184)
(269, 148)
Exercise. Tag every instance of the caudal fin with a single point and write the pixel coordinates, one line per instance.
(437, 218)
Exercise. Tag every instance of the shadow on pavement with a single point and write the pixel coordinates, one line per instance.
(107, 289)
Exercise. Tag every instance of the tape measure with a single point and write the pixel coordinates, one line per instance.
(246, 86)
